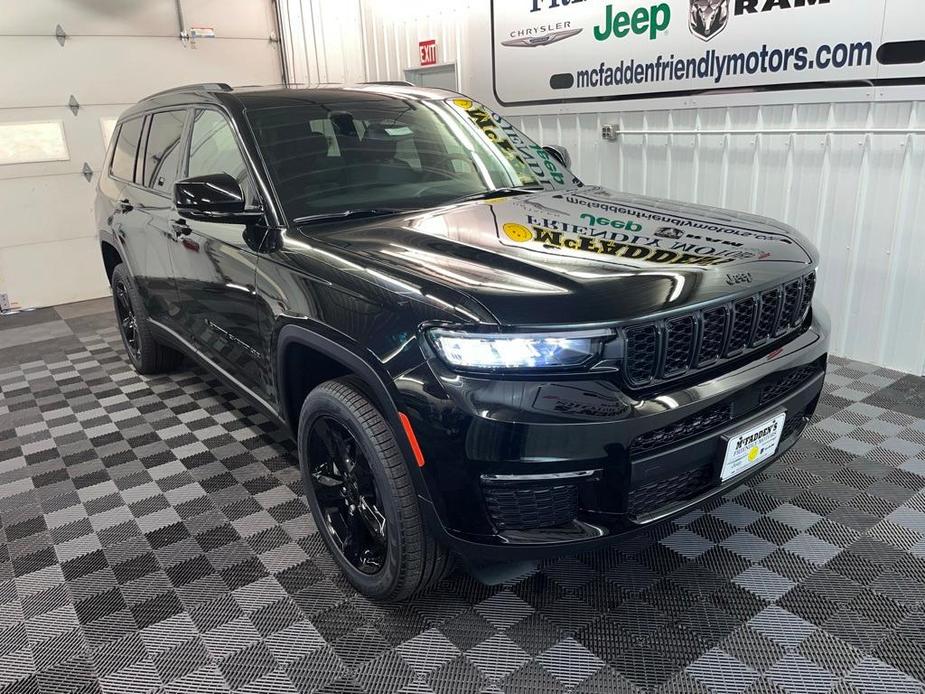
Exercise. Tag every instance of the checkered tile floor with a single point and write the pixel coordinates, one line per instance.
(153, 538)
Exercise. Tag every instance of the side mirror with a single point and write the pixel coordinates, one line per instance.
(212, 198)
(560, 154)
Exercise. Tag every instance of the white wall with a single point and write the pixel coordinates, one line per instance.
(860, 196)
(116, 53)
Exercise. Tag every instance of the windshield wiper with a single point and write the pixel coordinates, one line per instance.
(346, 214)
(498, 193)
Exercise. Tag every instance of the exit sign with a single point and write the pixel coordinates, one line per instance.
(428, 52)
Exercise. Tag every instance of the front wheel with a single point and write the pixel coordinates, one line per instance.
(361, 495)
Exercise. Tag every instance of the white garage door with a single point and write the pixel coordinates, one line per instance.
(114, 53)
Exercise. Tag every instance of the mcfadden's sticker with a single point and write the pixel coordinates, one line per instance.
(626, 248)
(533, 165)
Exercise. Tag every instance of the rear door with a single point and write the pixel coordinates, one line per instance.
(214, 266)
(147, 170)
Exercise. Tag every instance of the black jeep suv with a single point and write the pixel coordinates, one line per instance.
(479, 355)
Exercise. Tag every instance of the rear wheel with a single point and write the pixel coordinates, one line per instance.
(147, 355)
(361, 495)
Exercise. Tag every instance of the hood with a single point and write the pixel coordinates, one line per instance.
(582, 256)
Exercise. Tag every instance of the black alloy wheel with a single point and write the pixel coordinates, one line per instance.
(147, 355)
(347, 496)
(128, 321)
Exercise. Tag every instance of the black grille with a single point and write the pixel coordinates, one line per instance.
(679, 345)
(786, 381)
(714, 335)
(670, 349)
(696, 424)
(656, 495)
(641, 353)
(518, 507)
(788, 315)
(809, 287)
(767, 315)
(743, 320)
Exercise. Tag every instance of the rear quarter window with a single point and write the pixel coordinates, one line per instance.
(123, 158)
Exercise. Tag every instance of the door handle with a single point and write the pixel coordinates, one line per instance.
(124, 205)
(180, 228)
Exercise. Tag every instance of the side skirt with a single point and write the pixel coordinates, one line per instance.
(177, 341)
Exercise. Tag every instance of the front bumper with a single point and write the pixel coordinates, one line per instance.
(530, 468)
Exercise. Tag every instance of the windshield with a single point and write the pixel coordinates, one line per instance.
(388, 152)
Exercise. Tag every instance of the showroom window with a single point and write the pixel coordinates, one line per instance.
(162, 155)
(123, 160)
(213, 149)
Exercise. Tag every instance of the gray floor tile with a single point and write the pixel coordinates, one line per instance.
(14, 337)
(85, 308)
(136, 554)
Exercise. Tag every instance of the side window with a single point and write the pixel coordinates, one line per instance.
(123, 159)
(162, 155)
(213, 150)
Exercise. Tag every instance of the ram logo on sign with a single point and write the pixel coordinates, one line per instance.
(708, 18)
(600, 50)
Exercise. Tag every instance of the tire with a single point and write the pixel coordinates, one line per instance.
(413, 559)
(147, 355)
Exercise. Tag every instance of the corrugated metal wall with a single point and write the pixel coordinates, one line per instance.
(859, 195)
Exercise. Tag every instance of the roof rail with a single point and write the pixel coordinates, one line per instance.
(392, 83)
(204, 86)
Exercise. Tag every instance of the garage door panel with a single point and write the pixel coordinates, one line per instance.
(84, 140)
(52, 273)
(116, 53)
(90, 17)
(47, 208)
(231, 18)
(116, 70)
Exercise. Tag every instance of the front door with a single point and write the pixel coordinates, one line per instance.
(215, 269)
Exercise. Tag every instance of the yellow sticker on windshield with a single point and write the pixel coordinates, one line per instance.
(493, 131)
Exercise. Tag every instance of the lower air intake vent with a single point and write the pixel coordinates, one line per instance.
(782, 383)
(687, 428)
(512, 506)
(657, 495)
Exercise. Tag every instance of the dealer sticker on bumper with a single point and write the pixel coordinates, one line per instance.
(753, 446)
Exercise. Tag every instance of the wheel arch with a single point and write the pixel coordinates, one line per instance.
(330, 360)
(373, 382)
(112, 258)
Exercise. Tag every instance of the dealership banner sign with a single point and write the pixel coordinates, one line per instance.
(554, 51)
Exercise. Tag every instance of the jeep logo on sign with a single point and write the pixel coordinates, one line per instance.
(708, 18)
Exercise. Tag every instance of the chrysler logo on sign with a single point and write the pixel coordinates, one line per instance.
(708, 18)
(542, 40)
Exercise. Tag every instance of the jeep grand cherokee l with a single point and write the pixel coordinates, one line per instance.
(479, 355)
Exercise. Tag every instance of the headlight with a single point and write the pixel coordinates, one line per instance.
(512, 351)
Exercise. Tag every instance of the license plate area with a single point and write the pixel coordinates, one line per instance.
(751, 446)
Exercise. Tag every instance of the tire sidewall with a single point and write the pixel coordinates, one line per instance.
(320, 403)
(120, 274)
